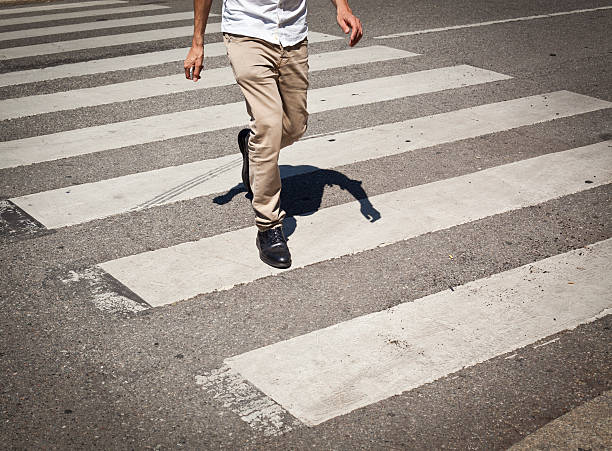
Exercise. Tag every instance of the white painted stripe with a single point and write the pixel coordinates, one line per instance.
(88, 26)
(138, 89)
(333, 371)
(80, 203)
(493, 22)
(123, 63)
(183, 123)
(354, 56)
(105, 65)
(32, 9)
(102, 41)
(549, 342)
(168, 275)
(79, 14)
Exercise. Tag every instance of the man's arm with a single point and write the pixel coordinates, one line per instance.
(195, 57)
(348, 21)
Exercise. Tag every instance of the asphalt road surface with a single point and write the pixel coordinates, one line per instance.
(449, 215)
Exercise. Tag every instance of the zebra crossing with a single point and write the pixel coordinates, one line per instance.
(139, 89)
(389, 352)
(90, 43)
(79, 14)
(77, 204)
(101, 66)
(51, 7)
(335, 370)
(165, 275)
(156, 128)
(87, 26)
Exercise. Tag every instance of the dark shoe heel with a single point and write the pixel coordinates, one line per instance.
(243, 145)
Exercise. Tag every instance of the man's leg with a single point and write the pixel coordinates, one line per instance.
(255, 64)
(293, 86)
(255, 67)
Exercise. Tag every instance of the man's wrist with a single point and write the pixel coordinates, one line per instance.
(342, 7)
(197, 41)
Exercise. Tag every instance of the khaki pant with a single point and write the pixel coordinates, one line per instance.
(274, 80)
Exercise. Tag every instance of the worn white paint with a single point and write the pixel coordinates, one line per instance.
(88, 26)
(184, 123)
(104, 298)
(123, 63)
(18, 222)
(332, 371)
(138, 89)
(179, 272)
(256, 409)
(81, 203)
(494, 22)
(546, 343)
(79, 14)
(33, 9)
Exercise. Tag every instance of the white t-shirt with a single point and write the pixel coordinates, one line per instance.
(277, 21)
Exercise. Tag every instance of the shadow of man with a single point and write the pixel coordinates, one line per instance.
(302, 193)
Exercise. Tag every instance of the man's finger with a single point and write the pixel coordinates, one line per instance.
(353, 34)
(188, 64)
(196, 72)
(359, 36)
(344, 26)
(354, 29)
(357, 33)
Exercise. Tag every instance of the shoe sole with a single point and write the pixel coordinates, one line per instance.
(245, 159)
(274, 264)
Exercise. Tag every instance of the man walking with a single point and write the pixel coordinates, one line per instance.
(267, 46)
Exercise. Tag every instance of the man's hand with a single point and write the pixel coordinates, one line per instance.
(348, 22)
(195, 57)
(195, 61)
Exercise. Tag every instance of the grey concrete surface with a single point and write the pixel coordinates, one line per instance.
(588, 427)
(75, 377)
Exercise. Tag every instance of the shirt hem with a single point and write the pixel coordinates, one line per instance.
(265, 36)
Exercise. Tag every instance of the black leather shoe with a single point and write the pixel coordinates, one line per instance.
(243, 144)
(273, 248)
